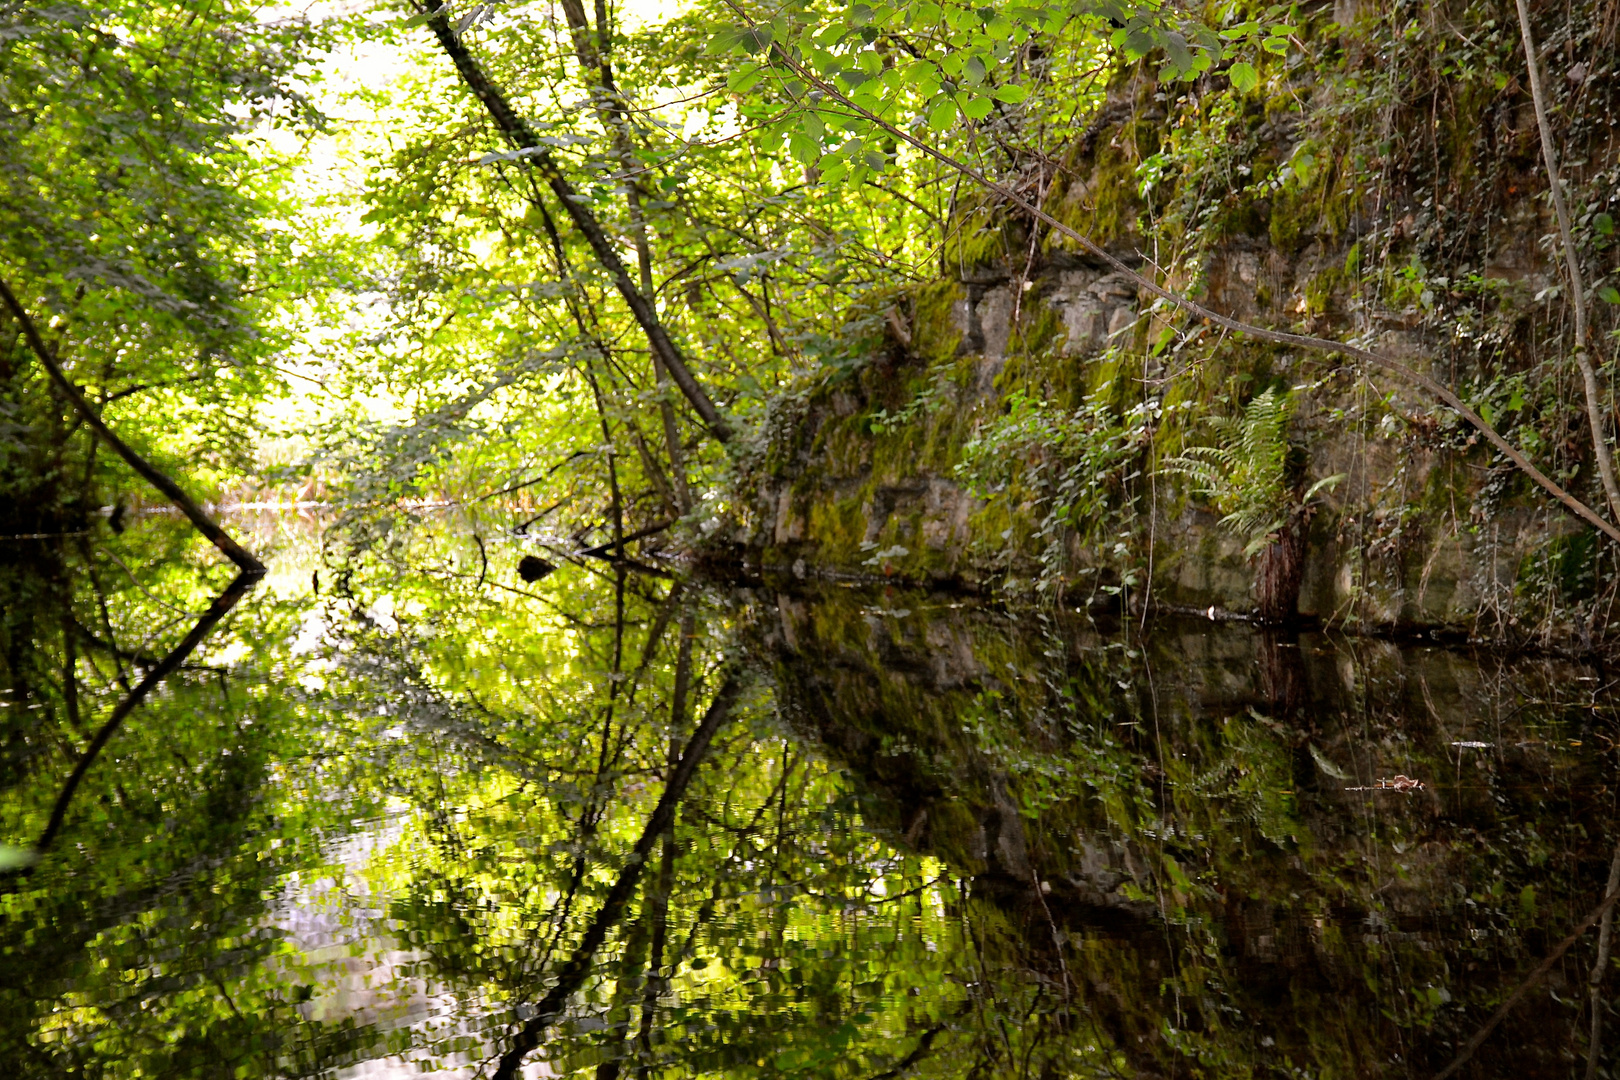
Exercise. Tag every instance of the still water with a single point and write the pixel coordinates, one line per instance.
(410, 815)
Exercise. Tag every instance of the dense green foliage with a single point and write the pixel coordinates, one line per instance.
(145, 226)
(464, 275)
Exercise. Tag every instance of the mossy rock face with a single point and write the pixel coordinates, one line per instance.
(1423, 530)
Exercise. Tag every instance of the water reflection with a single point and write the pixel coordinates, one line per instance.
(629, 826)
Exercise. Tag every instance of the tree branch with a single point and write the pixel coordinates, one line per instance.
(1534, 977)
(241, 556)
(523, 137)
(1577, 290)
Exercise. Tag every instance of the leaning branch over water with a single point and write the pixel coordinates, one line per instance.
(538, 155)
(241, 556)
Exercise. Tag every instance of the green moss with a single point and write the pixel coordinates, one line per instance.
(838, 527)
(934, 333)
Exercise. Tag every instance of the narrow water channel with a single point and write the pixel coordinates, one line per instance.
(434, 820)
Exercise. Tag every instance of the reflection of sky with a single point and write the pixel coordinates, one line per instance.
(345, 948)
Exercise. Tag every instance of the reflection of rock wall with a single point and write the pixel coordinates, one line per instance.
(1193, 794)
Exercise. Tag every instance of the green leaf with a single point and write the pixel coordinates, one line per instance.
(804, 148)
(976, 107)
(1011, 93)
(1244, 77)
(1180, 61)
(755, 39)
(1327, 483)
(1609, 294)
(1137, 43)
(743, 79)
(1305, 167)
(942, 115)
(1603, 223)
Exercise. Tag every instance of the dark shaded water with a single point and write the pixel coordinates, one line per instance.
(433, 820)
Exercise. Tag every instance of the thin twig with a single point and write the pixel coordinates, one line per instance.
(640, 534)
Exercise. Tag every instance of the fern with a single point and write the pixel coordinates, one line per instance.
(1246, 473)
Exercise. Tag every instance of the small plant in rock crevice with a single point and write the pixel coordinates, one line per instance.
(1077, 471)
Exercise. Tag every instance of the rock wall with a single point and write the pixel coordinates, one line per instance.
(1426, 531)
(1418, 534)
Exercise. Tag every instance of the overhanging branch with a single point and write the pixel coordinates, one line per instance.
(241, 556)
(523, 137)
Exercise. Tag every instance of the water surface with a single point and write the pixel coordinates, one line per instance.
(433, 820)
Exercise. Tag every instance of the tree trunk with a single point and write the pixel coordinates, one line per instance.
(1279, 572)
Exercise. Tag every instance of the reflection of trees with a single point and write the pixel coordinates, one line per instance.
(130, 947)
(932, 843)
(629, 928)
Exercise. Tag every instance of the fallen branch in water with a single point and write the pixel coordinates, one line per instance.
(1599, 967)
